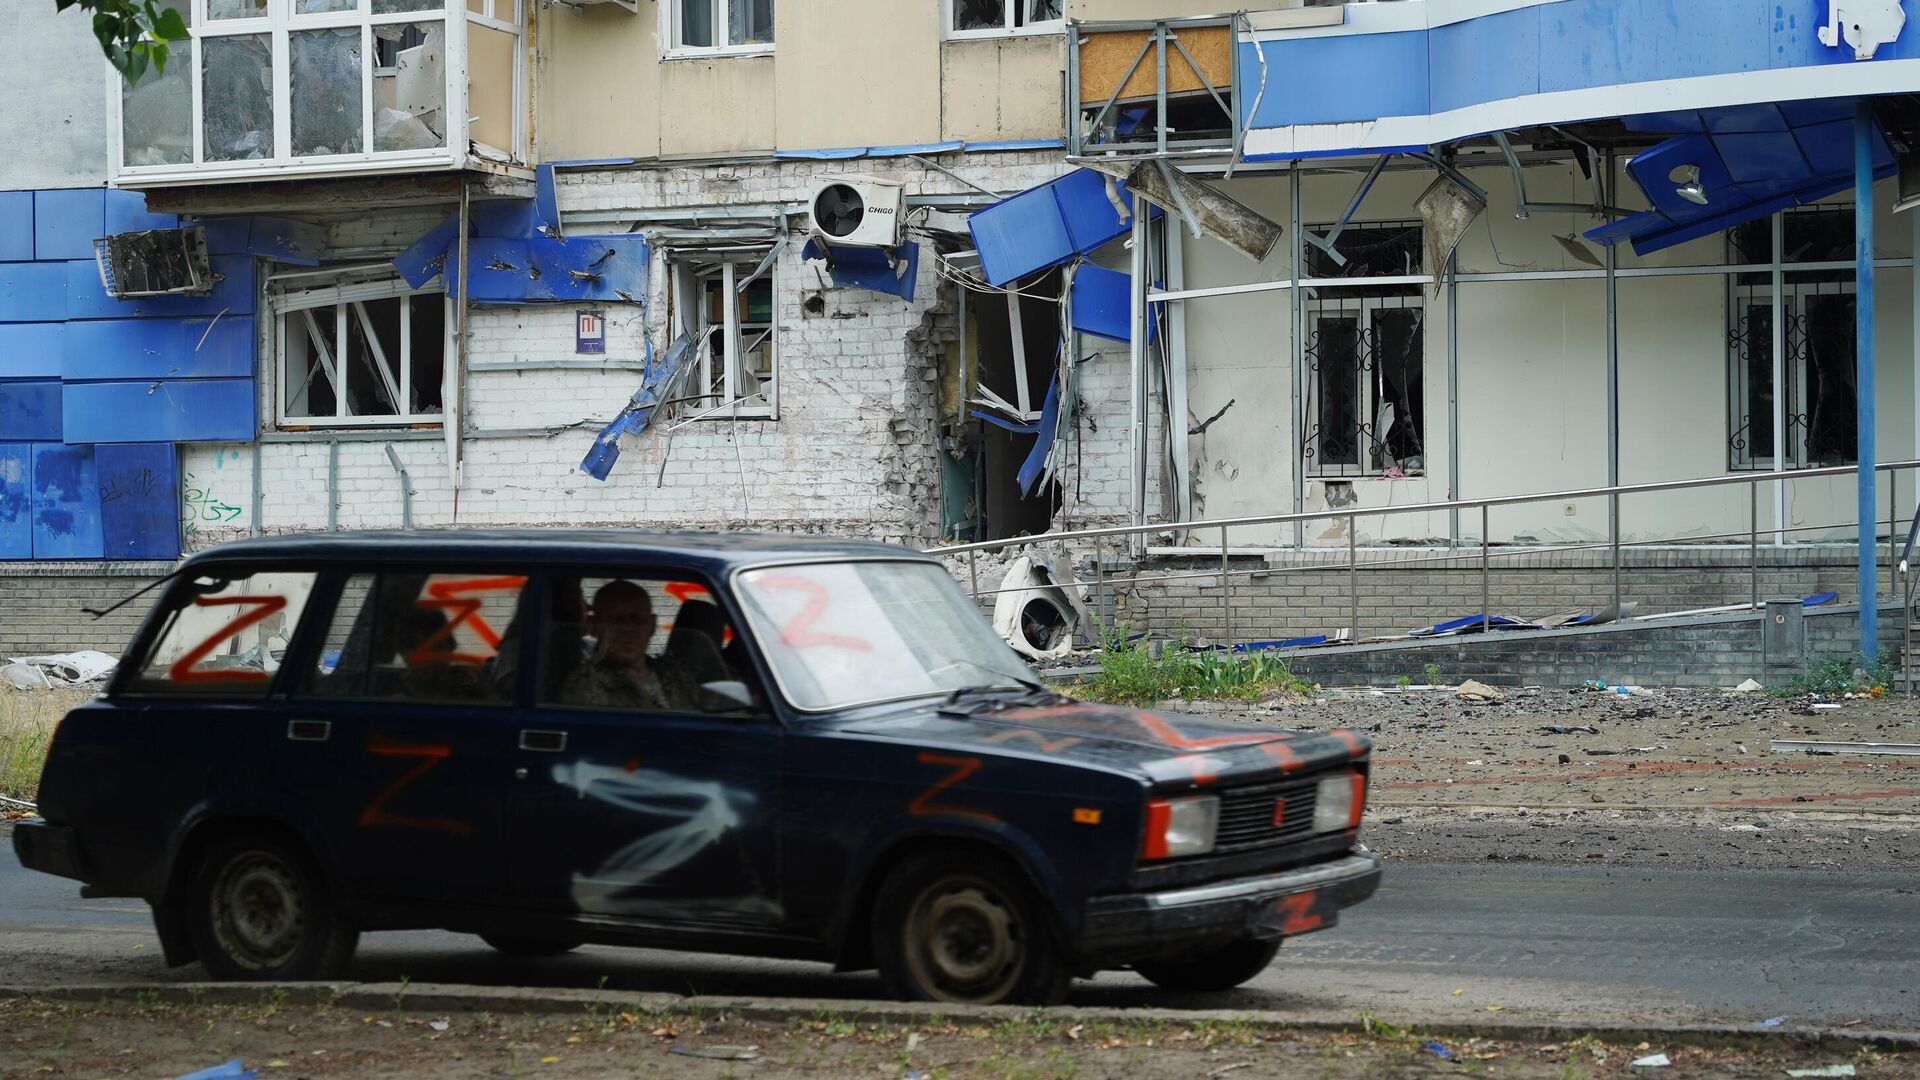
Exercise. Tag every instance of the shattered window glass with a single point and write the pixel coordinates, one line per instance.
(394, 7)
(236, 9)
(224, 635)
(237, 89)
(979, 14)
(1042, 11)
(322, 7)
(696, 23)
(409, 87)
(325, 92)
(749, 22)
(391, 349)
(156, 111)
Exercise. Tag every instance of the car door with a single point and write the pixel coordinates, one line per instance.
(630, 802)
(398, 727)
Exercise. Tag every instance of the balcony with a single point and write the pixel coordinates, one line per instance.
(298, 89)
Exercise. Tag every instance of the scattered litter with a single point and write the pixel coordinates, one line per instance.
(67, 669)
(1748, 687)
(1439, 1050)
(1478, 692)
(1593, 685)
(1225, 1069)
(232, 1070)
(1826, 705)
(276, 1063)
(1460, 991)
(915, 1074)
(1771, 1022)
(913, 1042)
(438, 1025)
(24, 677)
(1821, 746)
(717, 1053)
(1656, 1061)
(1824, 1070)
(1570, 729)
(1633, 691)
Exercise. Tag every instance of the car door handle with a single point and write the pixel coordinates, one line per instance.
(309, 730)
(546, 742)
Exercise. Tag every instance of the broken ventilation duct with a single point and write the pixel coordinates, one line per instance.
(1034, 614)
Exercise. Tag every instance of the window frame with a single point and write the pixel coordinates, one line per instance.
(126, 681)
(341, 298)
(1796, 366)
(1364, 299)
(731, 272)
(672, 48)
(1007, 29)
(336, 578)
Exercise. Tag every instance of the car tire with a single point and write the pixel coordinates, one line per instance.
(522, 948)
(259, 909)
(1221, 968)
(967, 930)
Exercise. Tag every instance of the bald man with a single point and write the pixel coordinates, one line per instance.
(620, 674)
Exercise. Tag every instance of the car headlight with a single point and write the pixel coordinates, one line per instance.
(1338, 803)
(1178, 827)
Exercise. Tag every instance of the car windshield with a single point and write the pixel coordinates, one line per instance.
(853, 633)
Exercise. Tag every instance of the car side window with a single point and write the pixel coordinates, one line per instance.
(225, 633)
(418, 636)
(639, 643)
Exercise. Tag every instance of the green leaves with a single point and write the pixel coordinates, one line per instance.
(134, 34)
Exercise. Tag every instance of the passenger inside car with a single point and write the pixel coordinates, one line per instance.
(618, 673)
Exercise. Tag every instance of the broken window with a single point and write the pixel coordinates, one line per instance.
(361, 354)
(1364, 349)
(238, 91)
(736, 371)
(326, 91)
(983, 17)
(409, 86)
(718, 25)
(156, 110)
(1011, 352)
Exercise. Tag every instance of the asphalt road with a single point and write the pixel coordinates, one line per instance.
(1516, 941)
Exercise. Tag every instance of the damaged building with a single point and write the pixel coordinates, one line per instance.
(948, 272)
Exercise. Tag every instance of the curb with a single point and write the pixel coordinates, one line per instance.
(453, 998)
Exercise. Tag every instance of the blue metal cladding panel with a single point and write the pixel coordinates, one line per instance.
(543, 270)
(127, 212)
(1590, 43)
(232, 293)
(16, 226)
(1092, 221)
(1103, 302)
(67, 222)
(1019, 235)
(31, 350)
(16, 500)
(426, 257)
(1484, 59)
(159, 348)
(190, 410)
(30, 411)
(1378, 75)
(66, 503)
(139, 501)
(35, 292)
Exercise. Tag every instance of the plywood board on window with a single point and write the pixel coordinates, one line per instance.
(1105, 59)
(490, 87)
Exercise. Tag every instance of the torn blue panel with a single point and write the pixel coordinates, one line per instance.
(1103, 302)
(16, 226)
(184, 410)
(1014, 144)
(1050, 224)
(66, 503)
(227, 236)
(285, 240)
(884, 270)
(159, 348)
(546, 203)
(640, 409)
(30, 411)
(503, 219)
(842, 153)
(1820, 599)
(127, 212)
(16, 500)
(999, 421)
(31, 350)
(1472, 622)
(67, 222)
(232, 293)
(139, 501)
(35, 292)
(426, 257)
(922, 148)
(1264, 646)
(608, 269)
(1036, 462)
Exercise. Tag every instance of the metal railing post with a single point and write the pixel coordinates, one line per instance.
(1353, 578)
(1616, 550)
(1226, 589)
(1486, 570)
(1753, 540)
(1100, 590)
(973, 576)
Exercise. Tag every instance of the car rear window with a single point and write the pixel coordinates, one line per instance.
(225, 633)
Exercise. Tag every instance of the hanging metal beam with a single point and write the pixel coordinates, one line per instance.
(1865, 134)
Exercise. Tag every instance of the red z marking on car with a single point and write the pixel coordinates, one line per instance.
(449, 596)
(800, 633)
(1301, 917)
(1282, 755)
(376, 813)
(962, 767)
(263, 607)
(1045, 744)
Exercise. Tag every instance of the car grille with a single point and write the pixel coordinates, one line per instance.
(1248, 818)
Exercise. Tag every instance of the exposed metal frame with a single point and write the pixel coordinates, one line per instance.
(1160, 33)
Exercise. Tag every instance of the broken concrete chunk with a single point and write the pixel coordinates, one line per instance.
(1478, 692)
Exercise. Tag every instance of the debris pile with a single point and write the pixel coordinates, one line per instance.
(58, 669)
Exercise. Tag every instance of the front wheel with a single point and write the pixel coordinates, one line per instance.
(1221, 968)
(966, 930)
(259, 910)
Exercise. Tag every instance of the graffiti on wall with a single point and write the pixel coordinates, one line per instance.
(204, 507)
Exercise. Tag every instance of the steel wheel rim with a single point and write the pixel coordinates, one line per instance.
(965, 941)
(259, 915)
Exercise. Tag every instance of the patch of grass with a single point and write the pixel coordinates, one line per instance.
(1834, 674)
(27, 720)
(1131, 675)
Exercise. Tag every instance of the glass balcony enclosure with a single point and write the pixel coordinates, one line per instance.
(300, 88)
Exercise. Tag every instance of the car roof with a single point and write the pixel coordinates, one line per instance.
(714, 552)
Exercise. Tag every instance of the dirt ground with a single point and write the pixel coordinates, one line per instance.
(280, 1039)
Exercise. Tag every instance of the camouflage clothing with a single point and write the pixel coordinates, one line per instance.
(605, 682)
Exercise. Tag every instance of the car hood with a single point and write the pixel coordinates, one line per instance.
(1169, 749)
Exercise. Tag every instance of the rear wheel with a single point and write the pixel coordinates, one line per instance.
(258, 909)
(528, 948)
(1221, 968)
(968, 930)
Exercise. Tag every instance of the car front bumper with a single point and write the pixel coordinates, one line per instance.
(50, 849)
(1269, 906)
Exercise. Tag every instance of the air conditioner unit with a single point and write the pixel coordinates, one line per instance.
(158, 262)
(858, 211)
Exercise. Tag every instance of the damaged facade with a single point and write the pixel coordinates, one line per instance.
(500, 262)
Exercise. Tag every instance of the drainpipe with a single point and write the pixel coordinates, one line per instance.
(1298, 360)
(333, 486)
(1863, 136)
(406, 489)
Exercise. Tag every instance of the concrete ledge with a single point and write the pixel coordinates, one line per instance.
(154, 568)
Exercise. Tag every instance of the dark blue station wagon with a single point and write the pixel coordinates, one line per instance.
(761, 745)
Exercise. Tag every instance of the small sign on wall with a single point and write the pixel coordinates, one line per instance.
(590, 332)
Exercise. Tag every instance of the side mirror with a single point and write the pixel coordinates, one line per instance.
(727, 696)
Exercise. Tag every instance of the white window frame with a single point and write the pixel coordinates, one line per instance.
(672, 49)
(688, 285)
(507, 16)
(341, 302)
(1007, 27)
